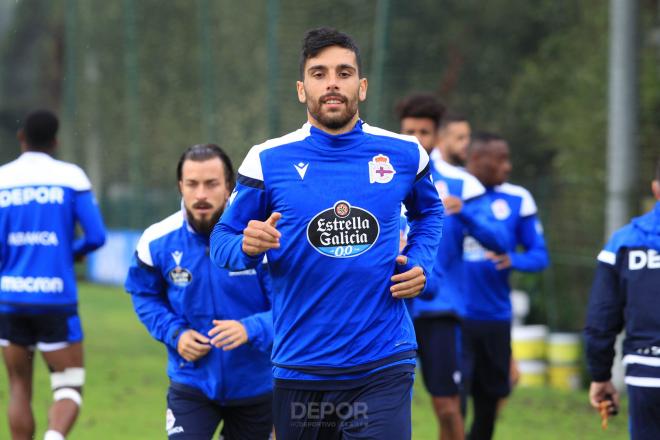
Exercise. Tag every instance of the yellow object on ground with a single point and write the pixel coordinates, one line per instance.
(528, 342)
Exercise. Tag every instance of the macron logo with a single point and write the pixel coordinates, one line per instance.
(301, 168)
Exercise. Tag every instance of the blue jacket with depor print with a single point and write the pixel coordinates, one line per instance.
(41, 202)
(340, 198)
(175, 287)
(625, 295)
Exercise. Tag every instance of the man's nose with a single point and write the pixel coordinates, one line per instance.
(201, 193)
(332, 84)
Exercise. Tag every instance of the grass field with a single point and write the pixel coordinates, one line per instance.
(126, 383)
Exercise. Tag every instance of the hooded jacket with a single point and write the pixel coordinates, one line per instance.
(626, 295)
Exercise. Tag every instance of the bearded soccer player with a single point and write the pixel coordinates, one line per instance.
(439, 312)
(41, 201)
(216, 324)
(453, 138)
(324, 203)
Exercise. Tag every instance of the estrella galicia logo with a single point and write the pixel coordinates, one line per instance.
(343, 231)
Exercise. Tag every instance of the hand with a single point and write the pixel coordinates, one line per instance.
(193, 345)
(228, 334)
(408, 284)
(452, 204)
(502, 261)
(599, 391)
(259, 237)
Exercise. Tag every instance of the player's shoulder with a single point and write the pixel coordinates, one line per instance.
(397, 138)
(527, 205)
(41, 169)
(471, 187)
(400, 142)
(73, 175)
(289, 138)
(156, 231)
(251, 167)
(629, 235)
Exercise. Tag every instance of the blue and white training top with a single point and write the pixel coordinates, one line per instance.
(487, 289)
(41, 201)
(175, 287)
(340, 199)
(626, 295)
(445, 291)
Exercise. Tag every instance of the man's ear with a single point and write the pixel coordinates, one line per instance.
(300, 87)
(655, 187)
(20, 135)
(362, 92)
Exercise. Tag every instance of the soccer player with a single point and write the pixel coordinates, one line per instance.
(216, 324)
(487, 324)
(324, 203)
(41, 201)
(437, 314)
(626, 296)
(454, 138)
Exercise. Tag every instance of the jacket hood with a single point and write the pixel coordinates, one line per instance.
(649, 225)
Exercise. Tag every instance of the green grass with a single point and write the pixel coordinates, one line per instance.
(126, 384)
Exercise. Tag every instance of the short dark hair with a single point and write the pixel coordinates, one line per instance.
(451, 117)
(481, 139)
(202, 152)
(40, 128)
(657, 171)
(421, 105)
(316, 40)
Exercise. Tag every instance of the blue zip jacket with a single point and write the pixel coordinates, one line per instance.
(41, 201)
(626, 295)
(445, 291)
(175, 287)
(487, 289)
(340, 199)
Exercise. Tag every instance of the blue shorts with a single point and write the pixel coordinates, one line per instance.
(486, 358)
(380, 408)
(48, 331)
(192, 416)
(438, 348)
(644, 409)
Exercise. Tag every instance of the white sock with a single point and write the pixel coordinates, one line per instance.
(53, 435)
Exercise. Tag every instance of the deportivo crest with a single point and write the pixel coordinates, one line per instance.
(179, 275)
(343, 231)
(501, 209)
(381, 170)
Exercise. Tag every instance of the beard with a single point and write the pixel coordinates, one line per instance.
(455, 159)
(333, 120)
(204, 226)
